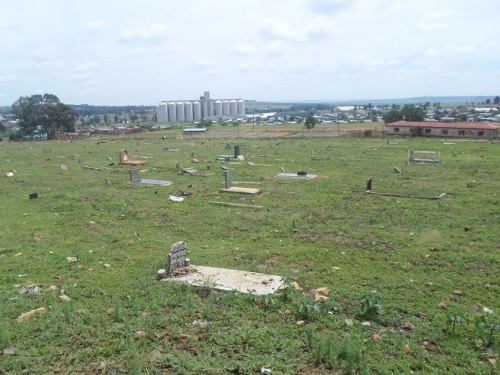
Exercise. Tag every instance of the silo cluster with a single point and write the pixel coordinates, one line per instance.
(196, 110)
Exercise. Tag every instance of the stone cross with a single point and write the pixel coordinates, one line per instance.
(177, 257)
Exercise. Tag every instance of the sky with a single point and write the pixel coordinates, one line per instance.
(123, 52)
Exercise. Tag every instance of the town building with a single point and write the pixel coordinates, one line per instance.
(443, 129)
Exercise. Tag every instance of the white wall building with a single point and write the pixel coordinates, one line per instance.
(196, 110)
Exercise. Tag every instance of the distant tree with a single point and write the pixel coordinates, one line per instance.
(106, 119)
(45, 112)
(97, 119)
(116, 118)
(310, 122)
(463, 117)
(411, 113)
(496, 100)
(392, 115)
(155, 117)
(133, 117)
(488, 101)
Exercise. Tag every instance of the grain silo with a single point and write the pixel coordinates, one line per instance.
(161, 113)
(218, 108)
(196, 111)
(188, 110)
(180, 112)
(225, 108)
(210, 108)
(233, 108)
(241, 107)
(172, 113)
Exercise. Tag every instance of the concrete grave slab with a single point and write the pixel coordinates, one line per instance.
(146, 181)
(240, 190)
(227, 279)
(296, 176)
(134, 177)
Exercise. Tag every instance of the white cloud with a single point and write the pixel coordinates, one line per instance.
(329, 6)
(8, 78)
(249, 65)
(98, 25)
(208, 66)
(316, 29)
(244, 49)
(84, 72)
(155, 33)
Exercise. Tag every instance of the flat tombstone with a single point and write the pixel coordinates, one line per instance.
(177, 257)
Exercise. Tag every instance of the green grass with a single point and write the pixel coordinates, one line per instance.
(414, 253)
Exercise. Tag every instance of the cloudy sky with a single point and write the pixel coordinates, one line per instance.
(123, 52)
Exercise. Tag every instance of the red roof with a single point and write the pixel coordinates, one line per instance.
(448, 125)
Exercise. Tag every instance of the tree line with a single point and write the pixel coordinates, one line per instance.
(43, 113)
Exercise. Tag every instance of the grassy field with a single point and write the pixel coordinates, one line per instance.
(413, 283)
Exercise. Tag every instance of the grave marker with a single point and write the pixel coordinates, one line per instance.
(227, 175)
(177, 258)
(124, 159)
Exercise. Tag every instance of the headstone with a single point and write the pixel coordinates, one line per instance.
(123, 156)
(177, 257)
(227, 175)
(236, 151)
(369, 184)
(134, 175)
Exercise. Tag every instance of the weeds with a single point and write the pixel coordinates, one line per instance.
(454, 319)
(371, 305)
(308, 309)
(5, 339)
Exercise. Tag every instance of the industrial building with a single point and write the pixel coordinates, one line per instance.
(196, 110)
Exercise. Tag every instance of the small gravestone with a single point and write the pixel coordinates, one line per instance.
(177, 258)
(227, 175)
(134, 175)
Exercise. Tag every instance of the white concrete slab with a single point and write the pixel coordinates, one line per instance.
(296, 176)
(155, 182)
(228, 279)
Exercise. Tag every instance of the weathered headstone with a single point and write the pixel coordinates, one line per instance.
(134, 175)
(177, 257)
(236, 151)
(369, 184)
(227, 175)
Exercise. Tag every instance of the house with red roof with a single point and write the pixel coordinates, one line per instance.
(443, 129)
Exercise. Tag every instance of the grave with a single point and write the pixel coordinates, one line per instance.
(124, 159)
(227, 280)
(423, 156)
(302, 175)
(236, 156)
(179, 269)
(233, 189)
(134, 177)
(369, 190)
